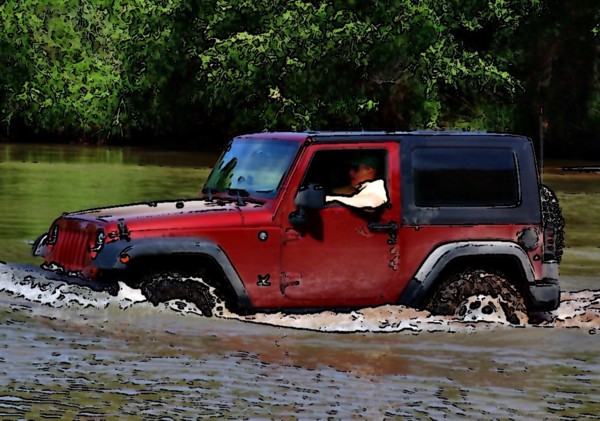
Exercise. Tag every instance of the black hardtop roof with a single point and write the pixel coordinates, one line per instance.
(420, 137)
(356, 136)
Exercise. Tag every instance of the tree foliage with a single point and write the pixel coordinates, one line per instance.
(180, 68)
(307, 64)
(75, 66)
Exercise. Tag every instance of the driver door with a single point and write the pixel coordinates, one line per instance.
(341, 256)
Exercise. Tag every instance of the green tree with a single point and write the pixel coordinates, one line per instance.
(304, 64)
(76, 66)
(138, 68)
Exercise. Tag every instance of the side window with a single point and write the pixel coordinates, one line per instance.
(333, 169)
(446, 177)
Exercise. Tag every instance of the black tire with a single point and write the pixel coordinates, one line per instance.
(552, 217)
(163, 287)
(455, 291)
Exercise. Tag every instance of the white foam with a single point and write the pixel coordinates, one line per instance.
(378, 319)
(128, 296)
(33, 286)
(578, 309)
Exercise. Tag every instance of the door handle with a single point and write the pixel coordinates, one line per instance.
(383, 226)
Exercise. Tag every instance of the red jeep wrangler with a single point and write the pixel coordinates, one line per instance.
(459, 214)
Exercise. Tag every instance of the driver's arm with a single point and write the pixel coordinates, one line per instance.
(370, 195)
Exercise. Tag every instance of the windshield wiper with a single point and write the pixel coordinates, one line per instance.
(239, 194)
(208, 192)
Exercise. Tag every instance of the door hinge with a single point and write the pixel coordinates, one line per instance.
(289, 280)
(291, 234)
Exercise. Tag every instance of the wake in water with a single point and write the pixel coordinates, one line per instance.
(32, 286)
(578, 309)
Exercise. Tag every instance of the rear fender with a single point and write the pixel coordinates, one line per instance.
(425, 279)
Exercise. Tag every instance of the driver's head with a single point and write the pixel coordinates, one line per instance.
(363, 168)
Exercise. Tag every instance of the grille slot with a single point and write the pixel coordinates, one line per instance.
(71, 249)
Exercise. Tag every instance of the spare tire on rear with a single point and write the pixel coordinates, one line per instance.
(552, 217)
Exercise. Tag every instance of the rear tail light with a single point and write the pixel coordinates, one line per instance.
(549, 243)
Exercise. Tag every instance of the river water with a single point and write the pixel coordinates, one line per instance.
(70, 353)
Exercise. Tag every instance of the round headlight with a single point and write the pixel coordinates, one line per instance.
(99, 243)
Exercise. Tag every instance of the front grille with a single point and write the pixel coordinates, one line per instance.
(71, 248)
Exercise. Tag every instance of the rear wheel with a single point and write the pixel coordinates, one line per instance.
(461, 290)
(163, 287)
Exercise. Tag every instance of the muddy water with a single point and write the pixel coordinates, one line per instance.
(69, 353)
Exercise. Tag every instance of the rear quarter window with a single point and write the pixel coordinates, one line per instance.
(450, 177)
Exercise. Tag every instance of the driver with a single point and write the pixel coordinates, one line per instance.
(366, 190)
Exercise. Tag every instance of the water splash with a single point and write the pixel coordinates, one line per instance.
(32, 286)
(578, 309)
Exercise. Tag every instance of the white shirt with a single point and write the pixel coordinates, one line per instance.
(370, 195)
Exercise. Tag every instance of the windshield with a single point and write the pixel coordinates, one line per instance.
(251, 167)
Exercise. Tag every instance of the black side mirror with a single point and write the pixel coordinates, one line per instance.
(310, 197)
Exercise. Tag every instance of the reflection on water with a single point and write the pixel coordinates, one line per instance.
(68, 352)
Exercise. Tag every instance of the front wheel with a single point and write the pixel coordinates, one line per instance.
(163, 287)
(460, 290)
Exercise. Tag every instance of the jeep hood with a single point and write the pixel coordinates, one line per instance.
(159, 215)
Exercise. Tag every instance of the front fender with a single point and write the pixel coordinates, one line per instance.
(424, 279)
(38, 249)
(109, 259)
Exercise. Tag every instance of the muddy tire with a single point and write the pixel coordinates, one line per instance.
(455, 291)
(552, 217)
(163, 287)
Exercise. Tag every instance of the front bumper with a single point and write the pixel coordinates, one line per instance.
(57, 273)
